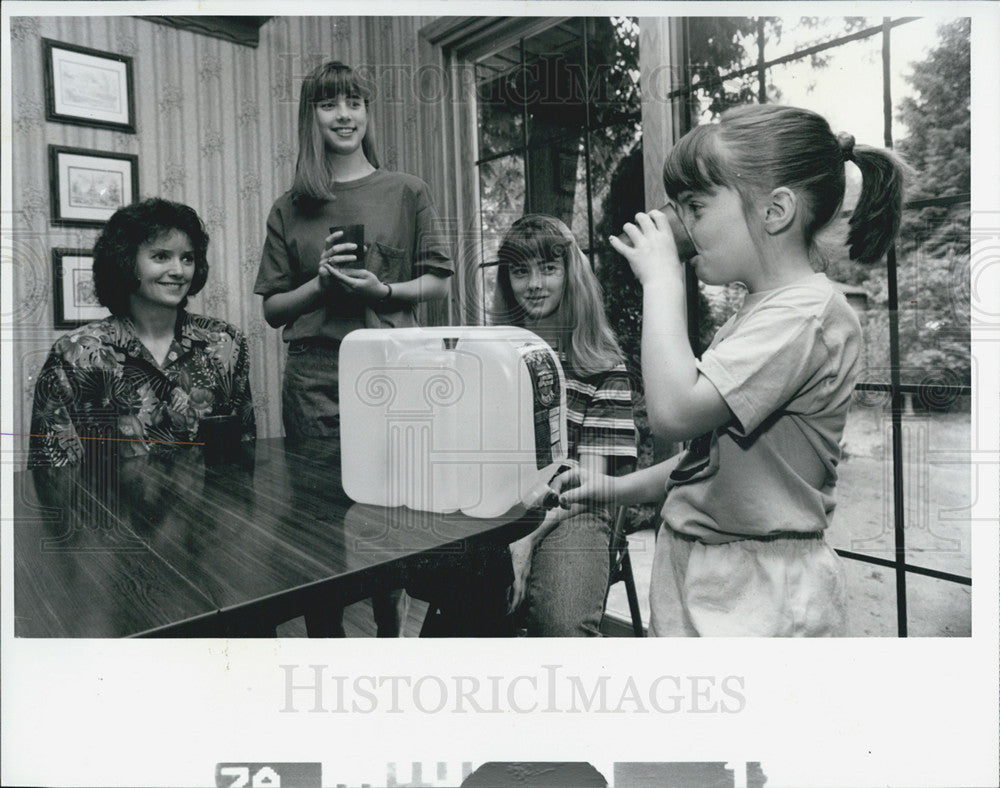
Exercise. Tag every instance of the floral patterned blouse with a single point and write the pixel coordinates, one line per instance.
(100, 385)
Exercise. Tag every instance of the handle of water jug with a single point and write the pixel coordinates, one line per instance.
(541, 494)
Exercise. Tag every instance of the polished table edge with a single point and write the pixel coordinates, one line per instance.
(259, 616)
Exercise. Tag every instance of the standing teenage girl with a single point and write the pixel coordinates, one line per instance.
(544, 283)
(304, 277)
(741, 549)
(319, 288)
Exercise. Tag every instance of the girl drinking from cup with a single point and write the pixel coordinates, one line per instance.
(316, 285)
(557, 575)
(741, 548)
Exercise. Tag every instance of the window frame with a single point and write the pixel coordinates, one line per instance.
(463, 41)
(896, 389)
(526, 147)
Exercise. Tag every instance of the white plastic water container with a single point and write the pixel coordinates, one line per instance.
(469, 419)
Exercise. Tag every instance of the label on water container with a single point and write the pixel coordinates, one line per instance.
(546, 398)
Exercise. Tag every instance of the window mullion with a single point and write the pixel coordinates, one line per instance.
(586, 140)
(685, 125)
(894, 370)
(524, 129)
(797, 55)
(761, 70)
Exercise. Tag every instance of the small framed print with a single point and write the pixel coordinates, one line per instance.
(88, 87)
(87, 186)
(74, 299)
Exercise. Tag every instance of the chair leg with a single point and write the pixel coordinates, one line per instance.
(621, 569)
(324, 620)
(633, 597)
(430, 625)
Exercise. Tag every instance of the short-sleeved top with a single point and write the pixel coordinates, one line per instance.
(599, 417)
(786, 364)
(402, 233)
(101, 385)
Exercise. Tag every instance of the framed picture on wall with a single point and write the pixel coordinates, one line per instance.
(87, 186)
(74, 300)
(88, 87)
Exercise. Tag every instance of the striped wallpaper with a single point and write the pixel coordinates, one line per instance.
(215, 128)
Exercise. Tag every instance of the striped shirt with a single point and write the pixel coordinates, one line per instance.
(599, 417)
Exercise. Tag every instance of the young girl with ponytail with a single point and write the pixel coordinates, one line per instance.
(741, 548)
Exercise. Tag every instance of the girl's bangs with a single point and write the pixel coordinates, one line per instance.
(530, 245)
(339, 81)
(696, 163)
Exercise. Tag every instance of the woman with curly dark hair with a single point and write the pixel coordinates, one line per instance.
(141, 379)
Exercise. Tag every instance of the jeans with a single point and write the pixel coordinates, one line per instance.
(310, 408)
(566, 587)
(569, 578)
(310, 405)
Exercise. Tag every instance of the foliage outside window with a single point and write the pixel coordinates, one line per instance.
(834, 66)
(558, 113)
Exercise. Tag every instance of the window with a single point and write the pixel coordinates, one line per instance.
(903, 496)
(559, 122)
(557, 115)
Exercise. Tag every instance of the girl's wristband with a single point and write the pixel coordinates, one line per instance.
(388, 293)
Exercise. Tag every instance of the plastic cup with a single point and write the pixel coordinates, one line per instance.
(682, 238)
(220, 436)
(353, 234)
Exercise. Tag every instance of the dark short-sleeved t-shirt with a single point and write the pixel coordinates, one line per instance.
(402, 234)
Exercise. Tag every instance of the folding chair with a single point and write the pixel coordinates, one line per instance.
(621, 570)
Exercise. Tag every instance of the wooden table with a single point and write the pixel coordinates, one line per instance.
(164, 546)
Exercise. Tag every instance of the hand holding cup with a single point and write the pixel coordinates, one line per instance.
(343, 249)
(346, 246)
(655, 238)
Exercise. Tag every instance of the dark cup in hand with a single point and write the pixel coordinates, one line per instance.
(221, 437)
(353, 234)
(682, 238)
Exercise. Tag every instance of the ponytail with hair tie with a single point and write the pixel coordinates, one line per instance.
(846, 142)
(875, 219)
(758, 147)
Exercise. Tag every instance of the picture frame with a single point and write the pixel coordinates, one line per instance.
(74, 301)
(88, 87)
(88, 186)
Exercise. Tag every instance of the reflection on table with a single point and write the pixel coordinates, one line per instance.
(162, 545)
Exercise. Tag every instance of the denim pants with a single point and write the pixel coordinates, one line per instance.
(569, 578)
(566, 587)
(310, 408)
(309, 398)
